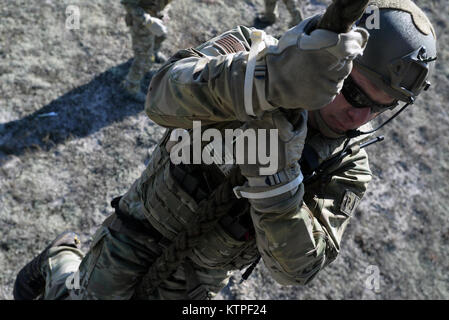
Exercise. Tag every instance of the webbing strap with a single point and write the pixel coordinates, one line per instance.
(270, 193)
(257, 45)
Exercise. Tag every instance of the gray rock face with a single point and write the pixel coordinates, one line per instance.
(70, 142)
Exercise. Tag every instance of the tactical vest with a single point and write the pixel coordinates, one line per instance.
(173, 196)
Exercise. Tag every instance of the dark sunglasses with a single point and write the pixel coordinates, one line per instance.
(359, 99)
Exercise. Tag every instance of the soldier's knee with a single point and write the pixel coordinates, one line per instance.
(113, 266)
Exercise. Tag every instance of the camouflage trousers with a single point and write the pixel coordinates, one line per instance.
(145, 45)
(128, 243)
(292, 7)
(113, 267)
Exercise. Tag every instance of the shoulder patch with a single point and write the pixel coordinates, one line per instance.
(349, 203)
(229, 44)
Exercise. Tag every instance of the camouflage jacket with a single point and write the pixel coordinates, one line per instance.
(206, 83)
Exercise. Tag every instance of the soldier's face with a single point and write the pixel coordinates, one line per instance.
(341, 116)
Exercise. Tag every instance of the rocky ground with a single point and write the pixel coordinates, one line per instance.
(70, 142)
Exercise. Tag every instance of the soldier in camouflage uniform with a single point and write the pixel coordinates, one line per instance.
(181, 229)
(143, 17)
(269, 15)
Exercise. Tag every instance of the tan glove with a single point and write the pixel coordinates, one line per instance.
(307, 71)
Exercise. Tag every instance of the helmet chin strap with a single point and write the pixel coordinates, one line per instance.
(355, 133)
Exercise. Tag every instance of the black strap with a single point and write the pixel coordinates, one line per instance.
(309, 161)
(250, 269)
(140, 226)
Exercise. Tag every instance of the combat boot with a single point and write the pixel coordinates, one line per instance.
(264, 20)
(30, 281)
(296, 19)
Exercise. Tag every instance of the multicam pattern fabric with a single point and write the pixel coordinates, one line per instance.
(153, 7)
(145, 45)
(292, 7)
(297, 236)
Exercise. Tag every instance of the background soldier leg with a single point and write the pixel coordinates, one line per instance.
(270, 7)
(142, 44)
(159, 57)
(269, 15)
(142, 47)
(294, 8)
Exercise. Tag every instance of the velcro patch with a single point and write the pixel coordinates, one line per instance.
(229, 44)
(349, 203)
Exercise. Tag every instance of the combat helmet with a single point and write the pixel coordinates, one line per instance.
(408, 48)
